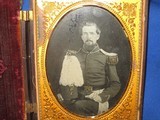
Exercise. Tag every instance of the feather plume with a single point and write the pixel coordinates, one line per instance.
(71, 73)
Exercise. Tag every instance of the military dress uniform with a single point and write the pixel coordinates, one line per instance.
(99, 74)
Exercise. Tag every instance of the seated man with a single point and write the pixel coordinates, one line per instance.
(99, 76)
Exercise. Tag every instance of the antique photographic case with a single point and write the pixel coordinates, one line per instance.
(62, 74)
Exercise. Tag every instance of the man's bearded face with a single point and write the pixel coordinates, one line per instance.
(89, 35)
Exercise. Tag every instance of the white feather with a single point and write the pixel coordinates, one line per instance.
(71, 73)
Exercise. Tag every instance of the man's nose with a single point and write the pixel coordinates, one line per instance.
(88, 36)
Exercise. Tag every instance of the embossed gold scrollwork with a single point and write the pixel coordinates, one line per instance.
(46, 15)
(127, 10)
(125, 110)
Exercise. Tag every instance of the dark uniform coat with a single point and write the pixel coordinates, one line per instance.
(99, 72)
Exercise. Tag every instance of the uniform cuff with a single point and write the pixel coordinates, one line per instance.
(104, 98)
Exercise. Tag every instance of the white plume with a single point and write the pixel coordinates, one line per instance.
(71, 73)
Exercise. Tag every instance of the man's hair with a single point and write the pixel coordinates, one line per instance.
(98, 31)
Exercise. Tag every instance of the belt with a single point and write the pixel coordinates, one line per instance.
(88, 88)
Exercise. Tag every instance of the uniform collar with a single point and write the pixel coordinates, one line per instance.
(95, 49)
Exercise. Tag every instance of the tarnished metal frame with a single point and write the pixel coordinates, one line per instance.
(130, 105)
(26, 15)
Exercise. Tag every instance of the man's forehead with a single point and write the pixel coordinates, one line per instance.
(89, 28)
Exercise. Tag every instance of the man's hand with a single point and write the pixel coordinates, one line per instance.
(95, 97)
(60, 98)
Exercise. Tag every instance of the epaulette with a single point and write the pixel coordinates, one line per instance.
(112, 58)
(71, 52)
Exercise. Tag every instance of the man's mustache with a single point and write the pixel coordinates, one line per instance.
(89, 41)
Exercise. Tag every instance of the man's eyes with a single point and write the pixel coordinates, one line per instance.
(91, 33)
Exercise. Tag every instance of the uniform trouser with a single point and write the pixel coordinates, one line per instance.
(86, 107)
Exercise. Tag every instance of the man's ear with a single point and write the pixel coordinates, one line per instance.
(98, 36)
(82, 38)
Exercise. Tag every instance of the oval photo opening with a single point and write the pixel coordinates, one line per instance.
(88, 61)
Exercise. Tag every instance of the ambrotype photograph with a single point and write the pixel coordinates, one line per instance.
(88, 61)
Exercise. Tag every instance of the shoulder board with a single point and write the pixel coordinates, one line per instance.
(112, 58)
(108, 54)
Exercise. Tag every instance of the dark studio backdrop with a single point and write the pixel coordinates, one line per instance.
(152, 81)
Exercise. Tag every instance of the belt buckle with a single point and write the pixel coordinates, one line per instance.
(88, 88)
